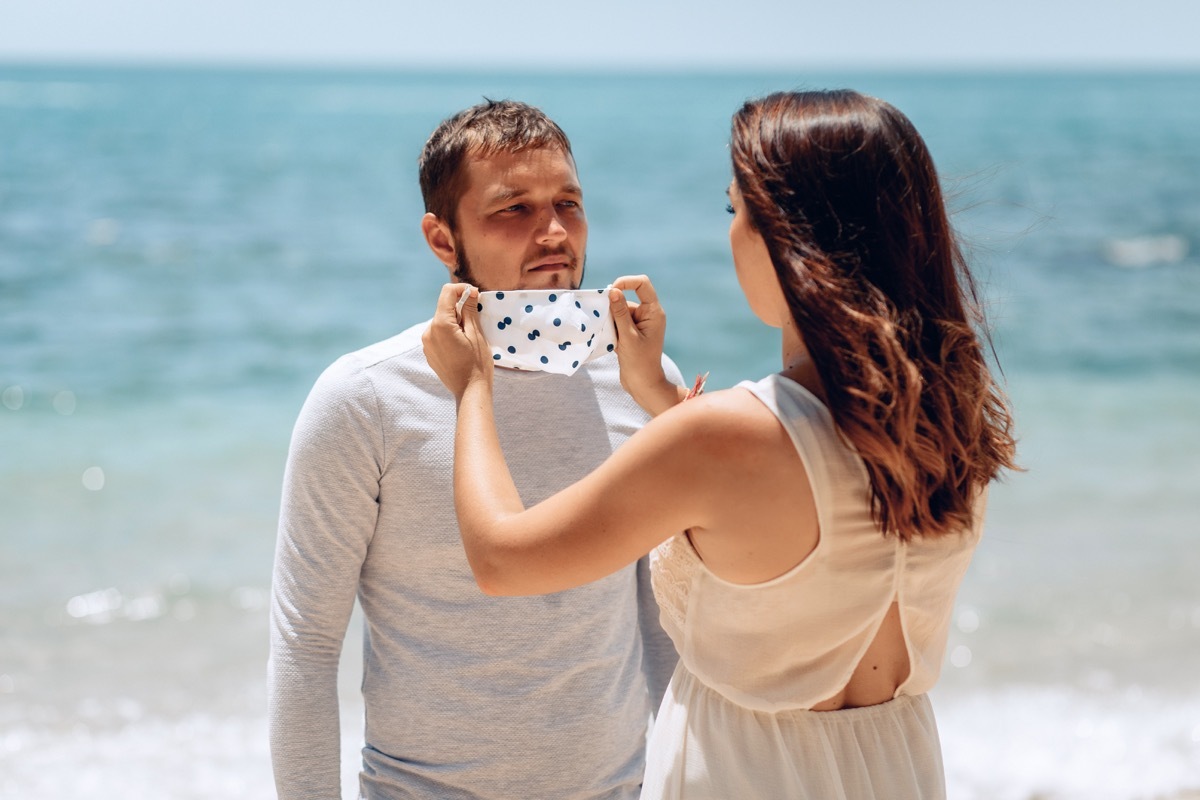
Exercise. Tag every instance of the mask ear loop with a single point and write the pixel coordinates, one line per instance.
(462, 301)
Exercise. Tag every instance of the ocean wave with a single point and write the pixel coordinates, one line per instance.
(1139, 252)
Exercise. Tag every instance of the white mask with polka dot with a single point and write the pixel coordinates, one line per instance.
(547, 330)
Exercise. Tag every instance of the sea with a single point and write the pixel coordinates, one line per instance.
(183, 250)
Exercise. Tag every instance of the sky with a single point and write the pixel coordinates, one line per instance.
(609, 34)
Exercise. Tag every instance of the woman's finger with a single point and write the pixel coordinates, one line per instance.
(622, 318)
(640, 284)
(446, 303)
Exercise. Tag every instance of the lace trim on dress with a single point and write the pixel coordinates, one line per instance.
(673, 565)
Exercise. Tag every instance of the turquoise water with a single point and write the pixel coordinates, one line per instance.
(182, 252)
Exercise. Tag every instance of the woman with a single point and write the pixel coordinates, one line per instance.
(828, 511)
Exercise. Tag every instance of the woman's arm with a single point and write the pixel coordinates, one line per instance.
(663, 480)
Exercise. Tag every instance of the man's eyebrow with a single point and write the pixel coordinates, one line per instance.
(504, 195)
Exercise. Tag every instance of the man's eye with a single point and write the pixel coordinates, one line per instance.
(568, 203)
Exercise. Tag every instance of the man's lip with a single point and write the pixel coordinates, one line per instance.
(550, 265)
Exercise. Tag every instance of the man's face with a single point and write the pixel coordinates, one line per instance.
(520, 223)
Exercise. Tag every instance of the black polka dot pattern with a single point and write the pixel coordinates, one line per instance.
(550, 331)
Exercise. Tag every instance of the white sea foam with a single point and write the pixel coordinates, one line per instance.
(1063, 743)
(198, 757)
(1016, 743)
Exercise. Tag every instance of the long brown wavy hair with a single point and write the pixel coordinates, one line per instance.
(844, 192)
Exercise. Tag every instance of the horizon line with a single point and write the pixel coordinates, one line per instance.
(942, 66)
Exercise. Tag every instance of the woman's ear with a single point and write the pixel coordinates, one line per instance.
(440, 239)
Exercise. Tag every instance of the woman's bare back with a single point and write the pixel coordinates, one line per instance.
(769, 526)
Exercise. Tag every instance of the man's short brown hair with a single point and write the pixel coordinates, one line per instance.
(493, 126)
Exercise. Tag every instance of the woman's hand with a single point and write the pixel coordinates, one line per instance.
(641, 328)
(454, 343)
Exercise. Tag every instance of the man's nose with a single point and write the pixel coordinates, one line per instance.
(551, 228)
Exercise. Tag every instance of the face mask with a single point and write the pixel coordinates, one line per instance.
(549, 330)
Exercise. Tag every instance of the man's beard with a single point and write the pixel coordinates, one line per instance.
(463, 273)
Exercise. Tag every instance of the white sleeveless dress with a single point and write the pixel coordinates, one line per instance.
(735, 723)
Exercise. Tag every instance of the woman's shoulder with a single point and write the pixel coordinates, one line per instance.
(724, 423)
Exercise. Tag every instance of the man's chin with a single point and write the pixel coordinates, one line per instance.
(551, 279)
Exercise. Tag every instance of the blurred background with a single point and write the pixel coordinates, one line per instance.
(202, 205)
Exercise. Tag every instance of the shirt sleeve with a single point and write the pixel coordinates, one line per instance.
(671, 370)
(327, 516)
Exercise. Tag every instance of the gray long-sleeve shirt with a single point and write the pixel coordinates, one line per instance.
(466, 696)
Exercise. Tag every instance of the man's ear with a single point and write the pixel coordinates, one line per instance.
(440, 239)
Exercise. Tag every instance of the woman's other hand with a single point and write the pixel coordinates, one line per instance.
(641, 328)
(454, 344)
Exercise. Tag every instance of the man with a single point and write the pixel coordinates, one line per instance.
(466, 696)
